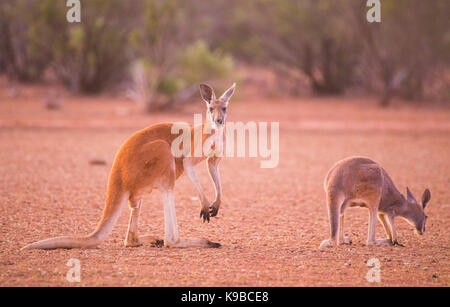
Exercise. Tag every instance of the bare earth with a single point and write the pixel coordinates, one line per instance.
(271, 222)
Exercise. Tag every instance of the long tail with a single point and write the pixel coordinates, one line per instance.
(115, 202)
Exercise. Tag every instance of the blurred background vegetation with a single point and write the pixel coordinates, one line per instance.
(159, 50)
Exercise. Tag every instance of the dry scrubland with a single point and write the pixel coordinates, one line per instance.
(272, 220)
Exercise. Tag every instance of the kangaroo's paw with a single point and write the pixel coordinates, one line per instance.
(382, 242)
(152, 241)
(214, 209)
(327, 244)
(346, 240)
(192, 242)
(204, 213)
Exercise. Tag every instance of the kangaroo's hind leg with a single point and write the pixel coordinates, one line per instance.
(152, 165)
(171, 228)
(343, 239)
(166, 183)
(334, 212)
(132, 238)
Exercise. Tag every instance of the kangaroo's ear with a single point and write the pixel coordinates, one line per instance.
(207, 93)
(410, 196)
(426, 198)
(229, 92)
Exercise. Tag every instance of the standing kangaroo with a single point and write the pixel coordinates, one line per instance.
(145, 162)
(361, 182)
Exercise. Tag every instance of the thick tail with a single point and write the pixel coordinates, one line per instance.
(65, 242)
(115, 202)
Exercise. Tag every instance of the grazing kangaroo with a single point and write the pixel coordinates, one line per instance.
(145, 162)
(361, 182)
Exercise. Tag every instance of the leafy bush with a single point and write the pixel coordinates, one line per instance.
(196, 63)
(29, 30)
(407, 48)
(199, 63)
(169, 87)
(86, 57)
(95, 53)
(309, 37)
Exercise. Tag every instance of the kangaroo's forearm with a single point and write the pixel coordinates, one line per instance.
(213, 169)
(192, 174)
(392, 227)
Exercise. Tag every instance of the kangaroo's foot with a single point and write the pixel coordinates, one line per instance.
(346, 240)
(192, 242)
(327, 244)
(152, 241)
(383, 242)
(398, 244)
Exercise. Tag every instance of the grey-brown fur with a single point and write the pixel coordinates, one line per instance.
(358, 181)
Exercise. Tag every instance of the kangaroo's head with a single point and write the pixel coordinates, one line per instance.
(415, 212)
(216, 107)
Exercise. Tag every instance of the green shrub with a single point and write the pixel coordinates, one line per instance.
(95, 53)
(199, 63)
(169, 87)
(193, 64)
(29, 30)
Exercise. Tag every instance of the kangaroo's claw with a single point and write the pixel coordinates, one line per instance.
(205, 214)
(213, 211)
(398, 244)
(214, 208)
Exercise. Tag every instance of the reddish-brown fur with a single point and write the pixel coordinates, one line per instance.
(145, 162)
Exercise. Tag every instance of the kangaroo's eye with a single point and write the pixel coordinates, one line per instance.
(224, 109)
(211, 110)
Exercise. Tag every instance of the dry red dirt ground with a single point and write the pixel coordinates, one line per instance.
(271, 222)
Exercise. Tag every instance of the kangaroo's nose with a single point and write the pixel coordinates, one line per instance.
(219, 121)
